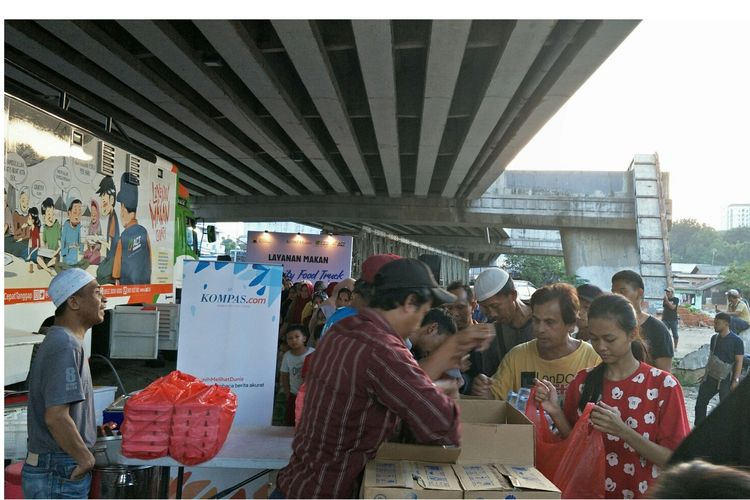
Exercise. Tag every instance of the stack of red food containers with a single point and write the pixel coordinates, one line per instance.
(180, 416)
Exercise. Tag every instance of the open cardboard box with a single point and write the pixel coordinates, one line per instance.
(496, 460)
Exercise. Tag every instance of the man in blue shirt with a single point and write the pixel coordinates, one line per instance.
(730, 350)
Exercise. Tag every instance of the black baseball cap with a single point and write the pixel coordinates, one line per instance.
(410, 273)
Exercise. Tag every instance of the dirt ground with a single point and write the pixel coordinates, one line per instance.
(137, 374)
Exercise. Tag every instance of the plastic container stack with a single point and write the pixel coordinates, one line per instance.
(180, 416)
(148, 430)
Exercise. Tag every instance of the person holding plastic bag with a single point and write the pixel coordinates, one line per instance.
(639, 408)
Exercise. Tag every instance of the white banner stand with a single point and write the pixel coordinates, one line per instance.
(229, 320)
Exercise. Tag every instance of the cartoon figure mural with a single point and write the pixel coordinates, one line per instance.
(92, 254)
(21, 228)
(61, 211)
(71, 235)
(34, 239)
(132, 263)
(107, 194)
(51, 235)
(8, 229)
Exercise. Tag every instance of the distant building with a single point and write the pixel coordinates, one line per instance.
(738, 215)
(698, 285)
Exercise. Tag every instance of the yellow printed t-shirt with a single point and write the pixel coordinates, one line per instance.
(524, 361)
(741, 308)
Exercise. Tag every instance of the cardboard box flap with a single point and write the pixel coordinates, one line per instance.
(486, 443)
(482, 411)
(526, 477)
(495, 432)
(389, 474)
(481, 477)
(418, 452)
(435, 476)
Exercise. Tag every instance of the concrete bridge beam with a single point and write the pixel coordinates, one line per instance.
(597, 254)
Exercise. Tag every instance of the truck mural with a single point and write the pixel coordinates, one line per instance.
(74, 200)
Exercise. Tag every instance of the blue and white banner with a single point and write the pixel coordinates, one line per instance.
(229, 320)
(309, 257)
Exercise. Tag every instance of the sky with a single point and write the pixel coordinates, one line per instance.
(677, 88)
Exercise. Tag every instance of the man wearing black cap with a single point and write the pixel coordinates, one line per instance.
(107, 194)
(132, 264)
(364, 381)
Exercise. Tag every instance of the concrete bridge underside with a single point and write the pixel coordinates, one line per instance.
(600, 222)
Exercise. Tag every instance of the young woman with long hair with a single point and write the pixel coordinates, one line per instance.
(639, 409)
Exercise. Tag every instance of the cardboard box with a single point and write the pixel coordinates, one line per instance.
(496, 460)
(412, 471)
(496, 432)
(504, 481)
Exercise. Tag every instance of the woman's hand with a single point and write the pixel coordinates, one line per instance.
(546, 395)
(607, 419)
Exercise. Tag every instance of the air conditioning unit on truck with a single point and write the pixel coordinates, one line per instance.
(73, 199)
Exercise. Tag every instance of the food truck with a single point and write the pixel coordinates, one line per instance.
(74, 198)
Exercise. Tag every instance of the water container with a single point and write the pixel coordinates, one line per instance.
(512, 398)
(523, 399)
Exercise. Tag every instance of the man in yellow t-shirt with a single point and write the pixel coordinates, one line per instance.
(553, 355)
(736, 307)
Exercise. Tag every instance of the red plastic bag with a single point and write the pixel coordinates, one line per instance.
(582, 473)
(300, 400)
(201, 423)
(147, 420)
(576, 465)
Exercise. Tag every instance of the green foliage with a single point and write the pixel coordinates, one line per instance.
(228, 244)
(540, 270)
(737, 276)
(693, 242)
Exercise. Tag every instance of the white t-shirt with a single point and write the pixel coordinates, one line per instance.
(292, 365)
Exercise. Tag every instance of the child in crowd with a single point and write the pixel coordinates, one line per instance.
(639, 408)
(291, 366)
(312, 306)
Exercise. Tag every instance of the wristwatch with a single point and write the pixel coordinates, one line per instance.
(737, 379)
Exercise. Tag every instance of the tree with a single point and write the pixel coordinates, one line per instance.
(738, 276)
(540, 270)
(228, 244)
(691, 241)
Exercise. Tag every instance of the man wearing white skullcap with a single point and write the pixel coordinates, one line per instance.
(498, 300)
(61, 421)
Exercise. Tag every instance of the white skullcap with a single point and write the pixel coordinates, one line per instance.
(489, 282)
(67, 283)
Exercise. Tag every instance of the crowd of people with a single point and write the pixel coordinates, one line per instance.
(392, 351)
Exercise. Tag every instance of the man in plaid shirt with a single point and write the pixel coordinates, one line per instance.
(365, 381)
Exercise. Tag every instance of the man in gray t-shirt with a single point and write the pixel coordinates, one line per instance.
(61, 421)
(60, 376)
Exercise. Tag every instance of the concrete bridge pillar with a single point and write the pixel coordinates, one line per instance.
(597, 254)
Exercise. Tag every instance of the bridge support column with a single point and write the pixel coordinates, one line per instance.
(597, 254)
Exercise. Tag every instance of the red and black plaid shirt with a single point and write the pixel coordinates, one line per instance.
(363, 380)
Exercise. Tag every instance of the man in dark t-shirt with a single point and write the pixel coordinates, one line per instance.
(729, 348)
(629, 284)
(669, 316)
(61, 419)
